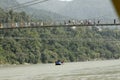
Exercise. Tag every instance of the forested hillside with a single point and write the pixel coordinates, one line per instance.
(39, 14)
(11, 16)
(46, 45)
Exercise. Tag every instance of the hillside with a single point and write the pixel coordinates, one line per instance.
(45, 45)
(87, 9)
(5, 4)
(79, 9)
(45, 15)
(36, 13)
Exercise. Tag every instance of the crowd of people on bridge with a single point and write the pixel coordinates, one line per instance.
(52, 23)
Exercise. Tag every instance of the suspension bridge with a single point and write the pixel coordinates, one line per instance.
(69, 23)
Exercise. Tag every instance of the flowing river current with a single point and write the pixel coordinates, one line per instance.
(91, 70)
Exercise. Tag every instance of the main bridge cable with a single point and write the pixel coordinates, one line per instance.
(22, 4)
(29, 3)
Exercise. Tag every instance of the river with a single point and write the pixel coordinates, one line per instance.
(91, 70)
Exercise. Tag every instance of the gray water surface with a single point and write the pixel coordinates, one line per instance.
(91, 70)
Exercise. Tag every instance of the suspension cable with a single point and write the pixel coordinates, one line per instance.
(26, 4)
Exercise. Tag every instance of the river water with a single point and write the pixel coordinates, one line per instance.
(91, 70)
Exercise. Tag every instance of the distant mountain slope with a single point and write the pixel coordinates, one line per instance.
(39, 14)
(45, 15)
(89, 9)
(7, 3)
(79, 9)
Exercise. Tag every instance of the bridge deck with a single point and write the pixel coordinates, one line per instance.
(76, 25)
